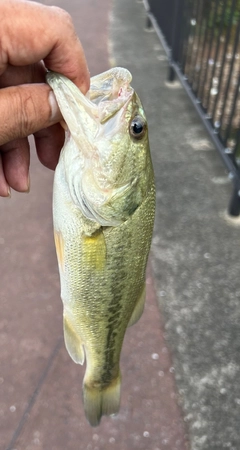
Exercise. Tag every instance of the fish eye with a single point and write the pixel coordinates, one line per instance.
(138, 127)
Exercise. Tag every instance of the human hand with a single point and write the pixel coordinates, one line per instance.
(33, 37)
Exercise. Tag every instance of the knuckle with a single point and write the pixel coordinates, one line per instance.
(24, 110)
(63, 16)
(18, 114)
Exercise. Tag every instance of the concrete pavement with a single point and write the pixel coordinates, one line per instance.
(40, 387)
(196, 247)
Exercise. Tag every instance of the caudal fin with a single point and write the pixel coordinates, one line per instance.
(101, 401)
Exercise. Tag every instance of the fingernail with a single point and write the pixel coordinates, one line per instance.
(56, 116)
(9, 192)
(28, 186)
(64, 125)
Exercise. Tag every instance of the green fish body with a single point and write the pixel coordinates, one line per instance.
(103, 213)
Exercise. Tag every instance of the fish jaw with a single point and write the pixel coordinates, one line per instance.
(92, 121)
(109, 93)
(77, 110)
(98, 125)
(89, 118)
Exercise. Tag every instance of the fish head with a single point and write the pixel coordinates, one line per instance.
(108, 167)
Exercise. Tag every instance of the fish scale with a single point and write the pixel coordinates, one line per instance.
(102, 232)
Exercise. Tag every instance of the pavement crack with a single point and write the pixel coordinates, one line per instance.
(33, 398)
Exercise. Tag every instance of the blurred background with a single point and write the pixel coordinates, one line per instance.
(180, 364)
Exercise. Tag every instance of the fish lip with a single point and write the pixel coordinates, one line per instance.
(90, 118)
(57, 81)
(111, 92)
(50, 75)
(109, 81)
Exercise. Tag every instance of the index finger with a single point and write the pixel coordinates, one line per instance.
(31, 32)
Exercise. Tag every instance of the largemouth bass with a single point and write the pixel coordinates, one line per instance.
(103, 213)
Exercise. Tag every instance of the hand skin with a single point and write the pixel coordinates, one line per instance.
(33, 37)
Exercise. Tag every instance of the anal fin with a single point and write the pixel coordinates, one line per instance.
(73, 342)
(139, 307)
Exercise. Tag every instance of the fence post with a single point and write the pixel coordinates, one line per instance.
(234, 205)
(176, 36)
(148, 11)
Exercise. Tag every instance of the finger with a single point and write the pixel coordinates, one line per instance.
(31, 32)
(15, 163)
(49, 143)
(14, 76)
(4, 187)
(25, 110)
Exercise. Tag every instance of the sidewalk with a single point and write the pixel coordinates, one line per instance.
(180, 363)
(196, 247)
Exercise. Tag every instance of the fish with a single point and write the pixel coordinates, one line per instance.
(103, 217)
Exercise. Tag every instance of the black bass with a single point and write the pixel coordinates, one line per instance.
(103, 212)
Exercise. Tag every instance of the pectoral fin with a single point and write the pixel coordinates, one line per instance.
(139, 307)
(59, 244)
(94, 251)
(73, 342)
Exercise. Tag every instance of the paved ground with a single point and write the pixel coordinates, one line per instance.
(181, 362)
(40, 387)
(196, 247)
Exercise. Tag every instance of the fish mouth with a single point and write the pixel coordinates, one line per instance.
(92, 120)
(106, 85)
(109, 93)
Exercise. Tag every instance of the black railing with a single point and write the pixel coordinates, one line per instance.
(201, 38)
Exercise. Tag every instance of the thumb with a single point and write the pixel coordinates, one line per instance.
(26, 109)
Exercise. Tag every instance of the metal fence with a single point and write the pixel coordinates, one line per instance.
(201, 38)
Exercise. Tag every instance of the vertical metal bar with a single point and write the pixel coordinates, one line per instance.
(216, 54)
(148, 23)
(199, 22)
(203, 63)
(234, 205)
(187, 27)
(176, 32)
(224, 60)
(228, 83)
(236, 150)
(207, 71)
(229, 126)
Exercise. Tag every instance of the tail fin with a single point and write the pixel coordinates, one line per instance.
(101, 401)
